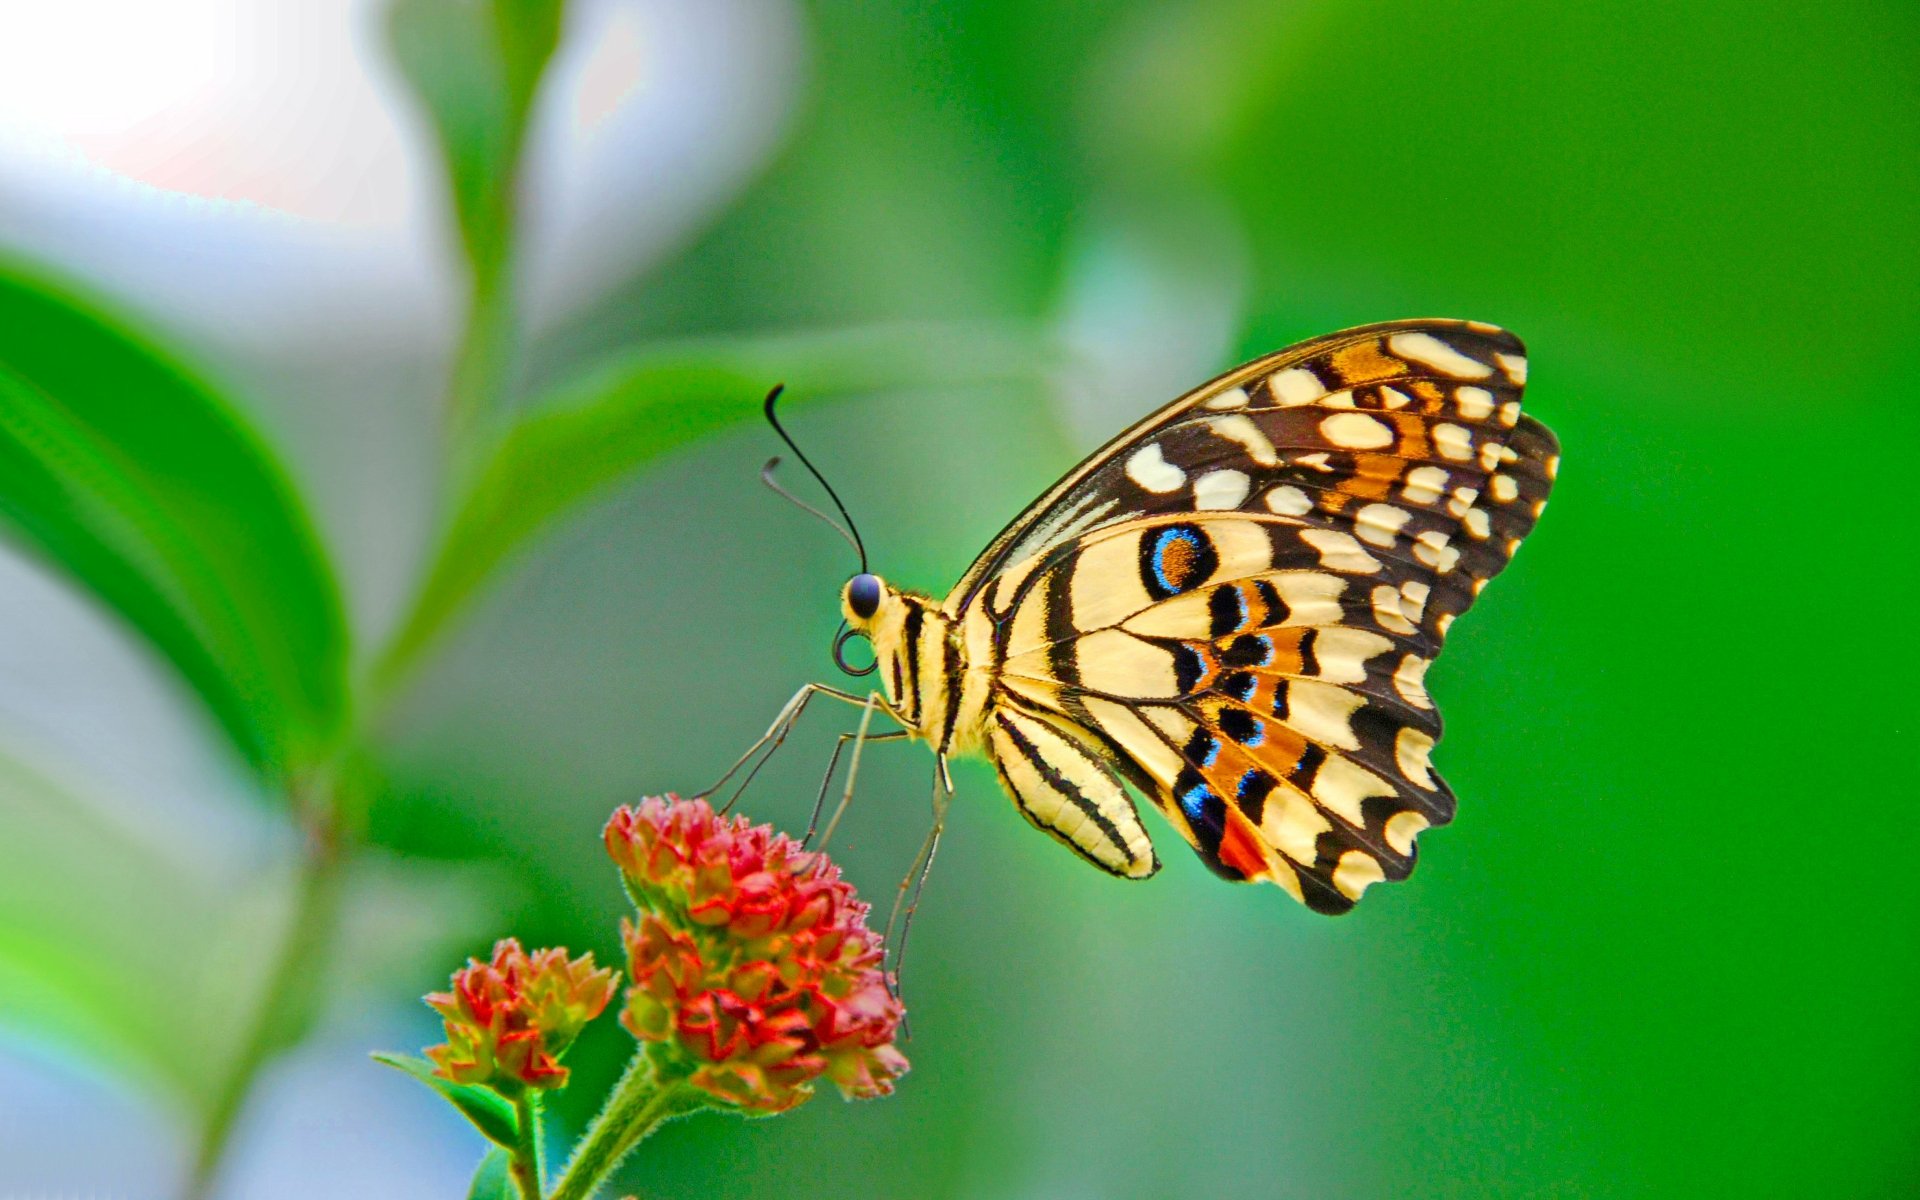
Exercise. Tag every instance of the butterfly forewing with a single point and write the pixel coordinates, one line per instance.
(1235, 603)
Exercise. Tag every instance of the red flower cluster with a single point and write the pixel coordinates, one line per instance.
(509, 1020)
(754, 972)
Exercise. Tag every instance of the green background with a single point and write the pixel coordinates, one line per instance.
(1668, 947)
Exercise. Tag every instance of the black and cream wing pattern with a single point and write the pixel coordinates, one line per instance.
(1233, 605)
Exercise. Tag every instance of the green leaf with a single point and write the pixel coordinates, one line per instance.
(476, 65)
(494, 1179)
(490, 1114)
(132, 475)
(602, 428)
(89, 902)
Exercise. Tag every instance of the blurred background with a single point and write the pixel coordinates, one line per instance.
(1668, 948)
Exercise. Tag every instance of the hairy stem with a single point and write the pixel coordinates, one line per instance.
(287, 1000)
(639, 1103)
(526, 1154)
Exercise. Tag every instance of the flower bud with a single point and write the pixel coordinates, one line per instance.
(754, 973)
(510, 1019)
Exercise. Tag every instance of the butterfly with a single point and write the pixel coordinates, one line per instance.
(1232, 607)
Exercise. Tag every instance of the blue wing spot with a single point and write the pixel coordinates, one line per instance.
(1226, 611)
(1252, 793)
(1194, 800)
(1176, 559)
(1202, 748)
(1242, 726)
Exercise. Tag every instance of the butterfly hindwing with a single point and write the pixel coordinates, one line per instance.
(1066, 790)
(1245, 670)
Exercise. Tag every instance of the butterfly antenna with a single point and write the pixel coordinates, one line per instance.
(848, 531)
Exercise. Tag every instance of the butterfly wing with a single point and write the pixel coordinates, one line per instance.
(1233, 606)
(1389, 432)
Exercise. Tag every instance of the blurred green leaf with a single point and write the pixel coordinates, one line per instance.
(494, 1179)
(476, 65)
(592, 433)
(87, 905)
(138, 480)
(490, 1114)
(140, 942)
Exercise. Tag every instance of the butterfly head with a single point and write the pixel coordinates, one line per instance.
(860, 599)
(868, 603)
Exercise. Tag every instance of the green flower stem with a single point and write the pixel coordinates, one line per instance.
(640, 1102)
(290, 995)
(526, 1153)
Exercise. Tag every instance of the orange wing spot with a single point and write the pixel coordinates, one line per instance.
(1373, 476)
(1365, 362)
(1241, 848)
(1178, 558)
(1411, 436)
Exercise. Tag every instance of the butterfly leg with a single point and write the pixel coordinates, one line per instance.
(776, 733)
(907, 902)
(833, 763)
(860, 738)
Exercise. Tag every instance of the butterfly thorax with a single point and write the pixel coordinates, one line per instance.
(924, 668)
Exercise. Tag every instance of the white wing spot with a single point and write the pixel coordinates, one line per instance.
(1323, 712)
(1504, 488)
(1386, 610)
(1293, 388)
(1443, 623)
(1515, 365)
(1241, 429)
(1380, 523)
(1342, 787)
(1317, 460)
(1510, 413)
(1413, 599)
(1410, 680)
(1402, 828)
(1148, 469)
(1339, 552)
(1357, 431)
(1393, 398)
(1413, 751)
(1475, 403)
(1477, 523)
(1432, 548)
(1493, 454)
(1338, 400)
(1452, 441)
(1424, 484)
(1342, 653)
(1431, 351)
(1231, 398)
(1288, 501)
(1357, 872)
(1553, 467)
(1220, 489)
(1463, 498)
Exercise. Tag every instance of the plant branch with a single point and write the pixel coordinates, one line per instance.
(638, 1105)
(287, 1000)
(526, 1153)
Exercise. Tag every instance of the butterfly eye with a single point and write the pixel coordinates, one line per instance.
(863, 595)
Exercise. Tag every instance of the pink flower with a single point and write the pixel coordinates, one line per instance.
(754, 972)
(509, 1020)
